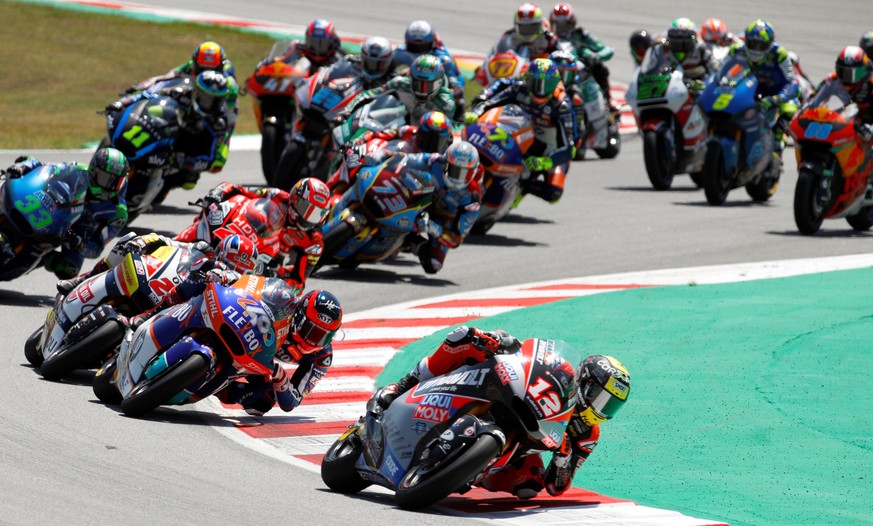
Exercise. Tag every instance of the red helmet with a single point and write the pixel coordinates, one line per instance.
(238, 252)
(853, 67)
(309, 203)
(208, 56)
(563, 20)
(714, 31)
(316, 318)
(528, 22)
(321, 40)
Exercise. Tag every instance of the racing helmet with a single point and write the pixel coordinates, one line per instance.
(714, 31)
(541, 79)
(434, 132)
(239, 253)
(209, 94)
(866, 43)
(426, 73)
(376, 56)
(563, 20)
(309, 203)
(759, 38)
(320, 40)
(315, 320)
(640, 41)
(106, 173)
(681, 37)
(602, 388)
(420, 37)
(567, 66)
(852, 67)
(528, 22)
(208, 56)
(462, 163)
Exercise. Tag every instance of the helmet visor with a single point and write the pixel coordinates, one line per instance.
(681, 45)
(374, 66)
(318, 46)
(419, 47)
(309, 216)
(458, 177)
(310, 335)
(563, 27)
(529, 30)
(539, 87)
(207, 103)
(431, 142)
(602, 402)
(850, 74)
(758, 45)
(423, 88)
(104, 183)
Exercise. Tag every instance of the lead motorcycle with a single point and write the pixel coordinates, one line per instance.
(672, 125)
(502, 135)
(834, 165)
(371, 220)
(82, 329)
(193, 350)
(450, 432)
(740, 149)
(36, 211)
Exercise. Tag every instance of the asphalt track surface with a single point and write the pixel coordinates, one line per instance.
(67, 459)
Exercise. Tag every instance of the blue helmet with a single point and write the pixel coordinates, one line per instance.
(420, 37)
(541, 79)
(567, 65)
(426, 73)
(759, 40)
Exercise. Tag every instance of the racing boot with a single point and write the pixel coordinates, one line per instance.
(64, 286)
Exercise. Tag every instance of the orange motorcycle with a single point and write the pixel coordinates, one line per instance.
(834, 164)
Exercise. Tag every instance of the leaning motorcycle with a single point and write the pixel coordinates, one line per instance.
(672, 126)
(834, 165)
(321, 100)
(83, 329)
(740, 149)
(272, 85)
(502, 135)
(36, 212)
(598, 124)
(372, 219)
(191, 351)
(450, 432)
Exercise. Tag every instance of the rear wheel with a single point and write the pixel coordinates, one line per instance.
(103, 388)
(334, 241)
(84, 353)
(613, 147)
(863, 220)
(338, 465)
(809, 205)
(763, 188)
(658, 155)
(31, 348)
(419, 489)
(715, 183)
(152, 392)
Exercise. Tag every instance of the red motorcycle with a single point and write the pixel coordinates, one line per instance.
(834, 164)
(272, 85)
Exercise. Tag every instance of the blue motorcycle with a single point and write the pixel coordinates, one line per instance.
(740, 147)
(372, 219)
(36, 211)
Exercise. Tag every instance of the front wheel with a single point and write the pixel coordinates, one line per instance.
(715, 183)
(809, 208)
(338, 465)
(84, 353)
(658, 155)
(31, 348)
(334, 241)
(419, 489)
(152, 392)
(289, 168)
(103, 388)
(273, 141)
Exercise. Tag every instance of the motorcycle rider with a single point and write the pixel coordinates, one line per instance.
(376, 61)
(432, 135)
(321, 46)
(419, 39)
(541, 93)
(314, 320)
(569, 69)
(421, 91)
(103, 216)
(602, 385)
(204, 125)
(640, 41)
(714, 32)
(455, 206)
(854, 70)
(591, 51)
(681, 48)
(529, 36)
(304, 209)
(866, 43)
(771, 65)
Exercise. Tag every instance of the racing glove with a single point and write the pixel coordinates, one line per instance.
(769, 102)
(470, 117)
(426, 227)
(539, 164)
(695, 86)
(286, 394)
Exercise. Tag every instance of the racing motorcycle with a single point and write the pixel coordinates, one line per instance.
(834, 165)
(373, 217)
(450, 432)
(321, 100)
(191, 351)
(146, 132)
(82, 329)
(740, 148)
(598, 124)
(272, 84)
(673, 127)
(502, 64)
(502, 135)
(36, 212)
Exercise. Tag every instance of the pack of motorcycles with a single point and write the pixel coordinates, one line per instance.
(473, 423)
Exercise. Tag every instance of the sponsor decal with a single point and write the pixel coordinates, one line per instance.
(505, 372)
(448, 434)
(211, 304)
(85, 293)
(473, 378)
(434, 408)
(391, 466)
(419, 428)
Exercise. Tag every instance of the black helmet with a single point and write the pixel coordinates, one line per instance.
(603, 385)
(866, 43)
(640, 41)
(108, 169)
(317, 317)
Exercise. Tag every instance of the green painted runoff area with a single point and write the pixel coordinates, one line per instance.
(750, 402)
